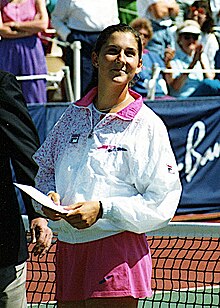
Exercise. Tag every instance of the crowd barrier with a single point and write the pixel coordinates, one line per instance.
(194, 129)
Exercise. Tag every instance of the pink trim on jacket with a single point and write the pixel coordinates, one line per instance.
(127, 113)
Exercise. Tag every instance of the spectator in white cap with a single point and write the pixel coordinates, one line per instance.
(200, 11)
(189, 55)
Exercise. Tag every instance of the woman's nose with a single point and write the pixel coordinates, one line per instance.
(121, 56)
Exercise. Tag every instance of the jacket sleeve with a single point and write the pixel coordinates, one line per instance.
(44, 157)
(19, 133)
(157, 183)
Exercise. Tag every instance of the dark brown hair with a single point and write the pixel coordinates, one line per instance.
(107, 32)
(103, 38)
(208, 24)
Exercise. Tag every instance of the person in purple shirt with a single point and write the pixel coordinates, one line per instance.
(21, 50)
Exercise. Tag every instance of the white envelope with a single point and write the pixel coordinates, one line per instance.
(41, 198)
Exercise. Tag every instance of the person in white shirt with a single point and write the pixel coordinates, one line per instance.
(109, 162)
(200, 11)
(160, 13)
(189, 55)
(82, 21)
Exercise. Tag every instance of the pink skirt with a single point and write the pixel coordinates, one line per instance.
(115, 266)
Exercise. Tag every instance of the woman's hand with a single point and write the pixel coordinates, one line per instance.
(83, 214)
(10, 30)
(169, 54)
(198, 52)
(51, 214)
(13, 25)
(162, 9)
(21, 29)
(198, 57)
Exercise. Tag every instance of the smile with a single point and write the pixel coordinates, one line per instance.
(118, 70)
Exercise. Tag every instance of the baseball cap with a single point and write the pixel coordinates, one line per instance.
(189, 26)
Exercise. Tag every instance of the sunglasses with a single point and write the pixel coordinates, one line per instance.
(200, 10)
(188, 36)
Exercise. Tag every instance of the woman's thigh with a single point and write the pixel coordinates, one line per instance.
(116, 302)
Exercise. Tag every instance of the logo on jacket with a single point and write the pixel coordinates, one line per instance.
(74, 138)
(170, 169)
(111, 148)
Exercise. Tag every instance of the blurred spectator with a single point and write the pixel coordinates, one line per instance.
(183, 6)
(217, 63)
(83, 21)
(127, 11)
(200, 11)
(21, 50)
(215, 8)
(50, 4)
(189, 55)
(160, 14)
(50, 32)
(150, 61)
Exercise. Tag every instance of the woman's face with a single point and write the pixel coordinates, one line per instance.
(118, 60)
(144, 37)
(188, 42)
(197, 14)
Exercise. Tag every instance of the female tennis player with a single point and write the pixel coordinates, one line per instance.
(109, 162)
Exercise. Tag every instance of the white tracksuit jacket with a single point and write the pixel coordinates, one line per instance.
(125, 161)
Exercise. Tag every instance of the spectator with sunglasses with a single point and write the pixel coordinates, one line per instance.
(190, 55)
(200, 11)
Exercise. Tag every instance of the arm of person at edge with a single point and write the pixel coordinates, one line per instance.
(59, 16)
(162, 9)
(152, 207)
(15, 29)
(23, 142)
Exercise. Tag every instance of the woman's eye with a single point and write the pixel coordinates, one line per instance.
(112, 51)
(116, 51)
(130, 53)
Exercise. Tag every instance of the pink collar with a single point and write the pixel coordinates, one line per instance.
(128, 113)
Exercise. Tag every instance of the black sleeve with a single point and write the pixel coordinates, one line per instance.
(19, 132)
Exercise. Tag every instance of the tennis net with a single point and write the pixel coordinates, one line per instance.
(186, 269)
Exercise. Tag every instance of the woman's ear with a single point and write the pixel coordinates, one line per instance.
(139, 67)
(95, 60)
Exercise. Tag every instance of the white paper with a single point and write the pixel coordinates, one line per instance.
(41, 198)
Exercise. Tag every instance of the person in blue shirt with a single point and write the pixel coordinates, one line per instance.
(151, 60)
(161, 14)
(199, 81)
